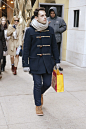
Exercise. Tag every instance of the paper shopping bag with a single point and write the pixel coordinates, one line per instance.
(57, 81)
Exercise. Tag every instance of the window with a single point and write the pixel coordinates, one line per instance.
(76, 18)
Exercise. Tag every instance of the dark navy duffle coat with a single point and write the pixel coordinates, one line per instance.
(41, 49)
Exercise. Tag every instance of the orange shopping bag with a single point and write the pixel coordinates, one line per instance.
(57, 81)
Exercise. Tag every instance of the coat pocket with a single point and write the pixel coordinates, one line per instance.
(33, 62)
(58, 38)
(56, 27)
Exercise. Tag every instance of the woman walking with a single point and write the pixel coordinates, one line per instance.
(2, 46)
(16, 35)
(4, 24)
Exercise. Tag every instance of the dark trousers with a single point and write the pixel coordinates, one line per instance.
(59, 46)
(0, 66)
(4, 62)
(41, 83)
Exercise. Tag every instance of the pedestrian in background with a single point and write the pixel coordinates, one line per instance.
(15, 42)
(5, 26)
(2, 45)
(59, 26)
(41, 48)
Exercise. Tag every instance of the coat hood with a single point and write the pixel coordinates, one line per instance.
(54, 9)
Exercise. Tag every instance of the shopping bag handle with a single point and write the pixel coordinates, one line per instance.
(56, 70)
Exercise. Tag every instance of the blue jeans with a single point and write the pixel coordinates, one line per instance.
(41, 83)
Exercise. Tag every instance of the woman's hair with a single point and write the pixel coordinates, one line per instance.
(1, 27)
(0, 20)
(6, 24)
(3, 17)
(12, 21)
(37, 10)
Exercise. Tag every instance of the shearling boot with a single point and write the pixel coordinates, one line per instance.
(39, 111)
(42, 99)
(15, 70)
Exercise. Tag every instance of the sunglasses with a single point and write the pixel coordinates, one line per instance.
(16, 20)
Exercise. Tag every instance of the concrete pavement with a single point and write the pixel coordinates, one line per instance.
(61, 110)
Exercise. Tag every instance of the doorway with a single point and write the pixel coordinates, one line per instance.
(48, 5)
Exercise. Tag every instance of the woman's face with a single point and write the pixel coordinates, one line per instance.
(16, 21)
(3, 21)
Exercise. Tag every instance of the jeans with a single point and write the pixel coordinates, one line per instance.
(0, 66)
(41, 83)
(59, 47)
(4, 62)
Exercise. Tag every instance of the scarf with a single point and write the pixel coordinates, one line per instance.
(39, 26)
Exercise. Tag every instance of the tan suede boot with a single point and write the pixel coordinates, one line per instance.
(39, 111)
(42, 99)
(15, 71)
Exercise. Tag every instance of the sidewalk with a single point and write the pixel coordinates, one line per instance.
(61, 110)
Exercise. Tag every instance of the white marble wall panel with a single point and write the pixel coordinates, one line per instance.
(85, 44)
(85, 17)
(70, 18)
(76, 3)
(84, 61)
(75, 41)
(76, 58)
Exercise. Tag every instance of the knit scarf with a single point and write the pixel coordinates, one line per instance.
(39, 26)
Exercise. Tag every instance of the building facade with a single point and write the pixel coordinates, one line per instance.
(76, 33)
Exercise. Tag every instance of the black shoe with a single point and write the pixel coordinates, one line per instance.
(2, 69)
(60, 69)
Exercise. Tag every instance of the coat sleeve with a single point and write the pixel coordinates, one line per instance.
(20, 36)
(62, 26)
(10, 30)
(55, 49)
(4, 42)
(26, 49)
(5, 33)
